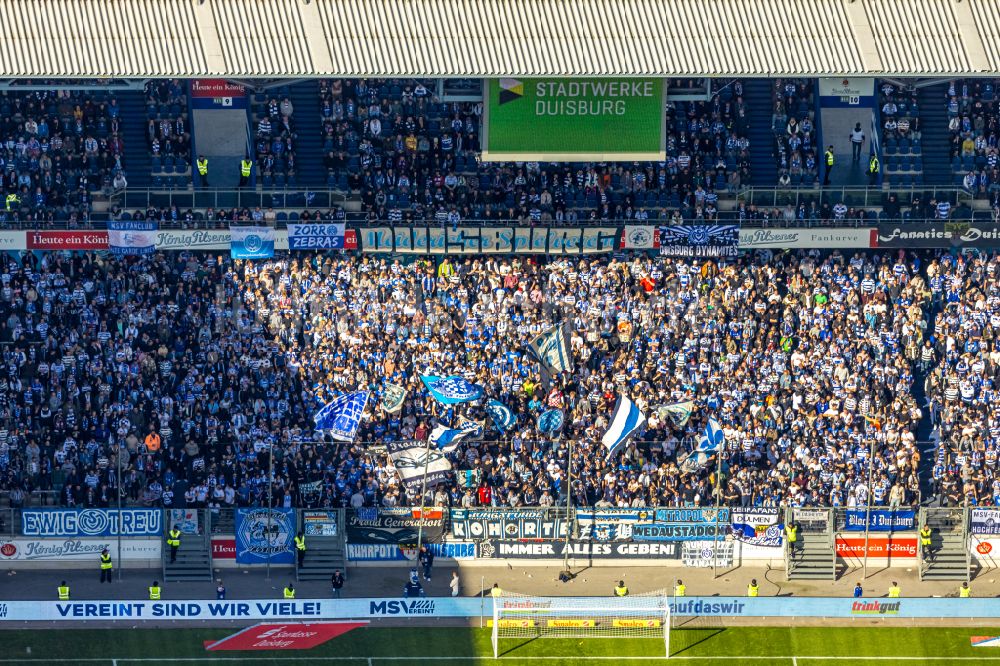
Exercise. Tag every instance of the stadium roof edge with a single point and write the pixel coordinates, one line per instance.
(490, 38)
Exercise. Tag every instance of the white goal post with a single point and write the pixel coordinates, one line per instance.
(528, 617)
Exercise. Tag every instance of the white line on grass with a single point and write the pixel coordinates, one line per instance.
(372, 660)
(794, 662)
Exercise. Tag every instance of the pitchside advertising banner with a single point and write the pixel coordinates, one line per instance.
(782, 239)
(365, 609)
(976, 234)
(571, 120)
(91, 522)
(76, 550)
(881, 547)
(489, 240)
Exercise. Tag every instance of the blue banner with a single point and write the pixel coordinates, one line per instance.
(700, 240)
(316, 236)
(91, 522)
(251, 242)
(881, 521)
(263, 534)
(365, 608)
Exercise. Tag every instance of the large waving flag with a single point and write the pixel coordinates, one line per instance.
(392, 398)
(342, 415)
(447, 439)
(626, 420)
(678, 412)
(413, 461)
(503, 418)
(550, 421)
(552, 350)
(451, 390)
(712, 438)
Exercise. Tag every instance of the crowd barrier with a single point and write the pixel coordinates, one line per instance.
(471, 607)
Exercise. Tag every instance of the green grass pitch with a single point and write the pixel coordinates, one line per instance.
(382, 646)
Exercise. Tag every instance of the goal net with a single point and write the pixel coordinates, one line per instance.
(528, 617)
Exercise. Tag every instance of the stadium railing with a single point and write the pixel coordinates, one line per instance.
(854, 197)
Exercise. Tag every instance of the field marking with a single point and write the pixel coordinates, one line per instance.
(118, 661)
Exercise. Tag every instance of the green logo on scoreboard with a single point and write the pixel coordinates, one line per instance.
(574, 119)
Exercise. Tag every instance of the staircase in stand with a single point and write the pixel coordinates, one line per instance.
(323, 555)
(948, 557)
(194, 560)
(757, 95)
(814, 560)
(308, 143)
(133, 118)
(816, 557)
(935, 137)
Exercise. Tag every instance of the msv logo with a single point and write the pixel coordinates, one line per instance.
(414, 607)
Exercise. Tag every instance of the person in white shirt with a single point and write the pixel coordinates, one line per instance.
(857, 142)
(454, 583)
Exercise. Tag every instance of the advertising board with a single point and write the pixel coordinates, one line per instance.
(570, 120)
(878, 547)
(86, 549)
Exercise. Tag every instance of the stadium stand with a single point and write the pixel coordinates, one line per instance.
(168, 133)
(806, 360)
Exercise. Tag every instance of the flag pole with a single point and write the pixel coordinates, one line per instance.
(423, 492)
(718, 500)
(569, 503)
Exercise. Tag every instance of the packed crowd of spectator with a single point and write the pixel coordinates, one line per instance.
(962, 387)
(274, 139)
(795, 134)
(974, 124)
(56, 149)
(186, 369)
(412, 156)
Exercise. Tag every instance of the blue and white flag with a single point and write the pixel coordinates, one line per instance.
(447, 439)
(503, 418)
(133, 238)
(712, 438)
(678, 412)
(451, 390)
(392, 398)
(550, 422)
(552, 351)
(251, 242)
(626, 420)
(342, 415)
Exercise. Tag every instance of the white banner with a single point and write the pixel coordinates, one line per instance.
(781, 239)
(49, 550)
(13, 240)
(212, 239)
(640, 237)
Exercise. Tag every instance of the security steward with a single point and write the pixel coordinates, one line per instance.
(926, 538)
(63, 590)
(300, 547)
(828, 161)
(174, 541)
(289, 591)
(753, 589)
(964, 592)
(621, 590)
(246, 167)
(873, 169)
(495, 591)
(11, 201)
(154, 591)
(106, 566)
(680, 589)
(202, 164)
(894, 590)
(792, 534)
